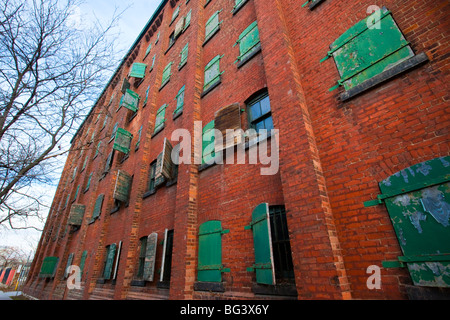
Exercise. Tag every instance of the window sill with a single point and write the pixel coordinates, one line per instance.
(211, 87)
(163, 284)
(288, 290)
(149, 193)
(137, 283)
(240, 5)
(181, 65)
(164, 84)
(384, 76)
(210, 36)
(209, 286)
(315, 3)
(177, 114)
(251, 54)
(158, 130)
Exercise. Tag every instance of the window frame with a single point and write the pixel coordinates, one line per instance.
(213, 19)
(252, 122)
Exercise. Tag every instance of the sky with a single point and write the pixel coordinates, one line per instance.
(135, 15)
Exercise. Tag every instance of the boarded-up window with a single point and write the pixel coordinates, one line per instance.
(164, 162)
(210, 266)
(48, 267)
(248, 41)
(212, 72)
(138, 70)
(229, 118)
(122, 141)
(76, 214)
(212, 25)
(98, 206)
(150, 256)
(123, 186)
(208, 148)
(130, 100)
(183, 55)
(160, 118)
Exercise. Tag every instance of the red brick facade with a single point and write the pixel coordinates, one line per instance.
(332, 154)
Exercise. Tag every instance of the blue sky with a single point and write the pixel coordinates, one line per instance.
(135, 16)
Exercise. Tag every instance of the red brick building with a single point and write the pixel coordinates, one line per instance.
(140, 227)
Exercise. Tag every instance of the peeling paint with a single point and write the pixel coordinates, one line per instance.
(433, 201)
(444, 162)
(415, 217)
(424, 168)
(405, 176)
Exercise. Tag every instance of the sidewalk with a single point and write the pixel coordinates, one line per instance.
(7, 295)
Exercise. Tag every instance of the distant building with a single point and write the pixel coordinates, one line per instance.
(357, 206)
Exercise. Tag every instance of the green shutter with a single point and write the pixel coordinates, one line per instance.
(148, 50)
(85, 163)
(160, 117)
(76, 193)
(418, 202)
(122, 142)
(166, 74)
(88, 184)
(248, 40)
(187, 21)
(98, 206)
(130, 100)
(260, 225)
(370, 47)
(69, 263)
(175, 13)
(98, 149)
(83, 261)
(138, 142)
(113, 133)
(180, 100)
(184, 55)
(210, 266)
(212, 72)
(138, 70)
(212, 25)
(48, 267)
(146, 95)
(208, 148)
(153, 62)
(109, 261)
(76, 214)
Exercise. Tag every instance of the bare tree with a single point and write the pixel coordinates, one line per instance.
(12, 256)
(51, 72)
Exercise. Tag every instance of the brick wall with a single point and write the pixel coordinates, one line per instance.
(332, 154)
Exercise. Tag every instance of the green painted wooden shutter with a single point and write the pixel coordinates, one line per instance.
(83, 261)
(122, 142)
(160, 117)
(184, 55)
(248, 41)
(98, 206)
(88, 184)
(76, 214)
(364, 51)
(85, 163)
(166, 74)
(76, 193)
(212, 24)
(208, 139)
(48, 267)
(210, 266)
(260, 225)
(97, 150)
(175, 13)
(113, 133)
(146, 95)
(138, 142)
(130, 100)
(150, 256)
(187, 21)
(212, 72)
(69, 263)
(138, 70)
(180, 100)
(109, 261)
(108, 162)
(418, 201)
(153, 62)
(148, 50)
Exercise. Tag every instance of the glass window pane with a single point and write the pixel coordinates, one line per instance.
(259, 125)
(265, 105)
(268, 123)
(255, 111)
